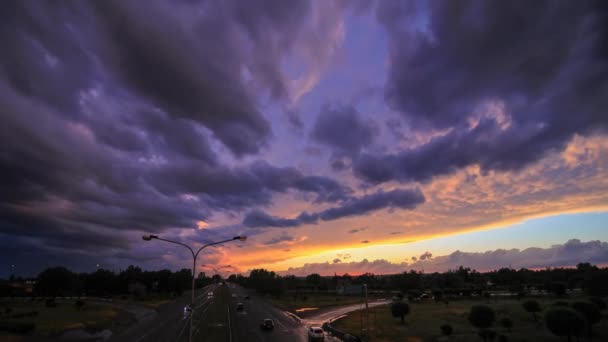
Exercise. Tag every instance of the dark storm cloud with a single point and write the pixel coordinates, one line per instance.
(197, 73)
(551, 79)
(109, 109)
(343, 130)
(402, 199)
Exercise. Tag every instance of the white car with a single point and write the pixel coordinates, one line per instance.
(315, 334)
(210, 294)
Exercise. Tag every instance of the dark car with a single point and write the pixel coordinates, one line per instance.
(240, 307)
(246, 297)
(267, 324)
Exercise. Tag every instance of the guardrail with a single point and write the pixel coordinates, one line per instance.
(328, 326)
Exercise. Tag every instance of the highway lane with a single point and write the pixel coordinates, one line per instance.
(168, 324)
(246, 324)
(217, 320)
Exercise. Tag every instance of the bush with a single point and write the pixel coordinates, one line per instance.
(503, 338)
(482, 316)
(561, 303)
(17, 327)
(446, 330)
(590, 311)
(533, 307)
(563, 321)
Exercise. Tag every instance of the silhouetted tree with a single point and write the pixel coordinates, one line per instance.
(314, 280)
(565, 322)
(533, 307)
(400, 309)
(54, 281)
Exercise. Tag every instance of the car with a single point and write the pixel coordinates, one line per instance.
(240, 307)
(234, 295)
(246, 297)
(315, 334)
(210, 294)
(267, 324)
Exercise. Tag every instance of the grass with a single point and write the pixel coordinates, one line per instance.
(65, 316)
(424, 320)
(320, 301)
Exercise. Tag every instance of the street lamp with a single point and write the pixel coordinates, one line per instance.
(194, 256)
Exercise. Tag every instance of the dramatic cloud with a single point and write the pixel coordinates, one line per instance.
(401, 199)
(509, 93)
(343, 130)
(568, 254)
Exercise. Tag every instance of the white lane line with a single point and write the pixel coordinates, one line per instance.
(229, 326)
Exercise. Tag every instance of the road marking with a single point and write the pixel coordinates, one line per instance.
(229, 326)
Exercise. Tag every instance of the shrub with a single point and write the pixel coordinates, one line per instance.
(561, 303)
(533, 307)
(563, 321)
(590, 311)
(482, 316)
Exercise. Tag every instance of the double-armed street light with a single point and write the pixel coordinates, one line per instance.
(194, 256)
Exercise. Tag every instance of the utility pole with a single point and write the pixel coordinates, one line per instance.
(366, 312)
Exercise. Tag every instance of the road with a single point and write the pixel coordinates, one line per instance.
(217, 320)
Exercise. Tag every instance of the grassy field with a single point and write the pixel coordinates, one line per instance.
(424, 320)
(319, 301)
(65, 316)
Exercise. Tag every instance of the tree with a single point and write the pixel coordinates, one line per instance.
(563, 321)
(314, 280)
(506, 323)
(482, 317)
(400, 309)
(54, 281)
(533, 307)
(590, 311)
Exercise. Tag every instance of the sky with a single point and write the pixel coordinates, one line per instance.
(338, 136)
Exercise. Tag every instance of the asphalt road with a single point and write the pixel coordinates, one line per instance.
(217, 320)
(167, 325)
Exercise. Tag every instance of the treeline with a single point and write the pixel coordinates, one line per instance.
(463, 281)
(60, 282)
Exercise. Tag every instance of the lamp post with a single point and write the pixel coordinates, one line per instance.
(194, 256)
